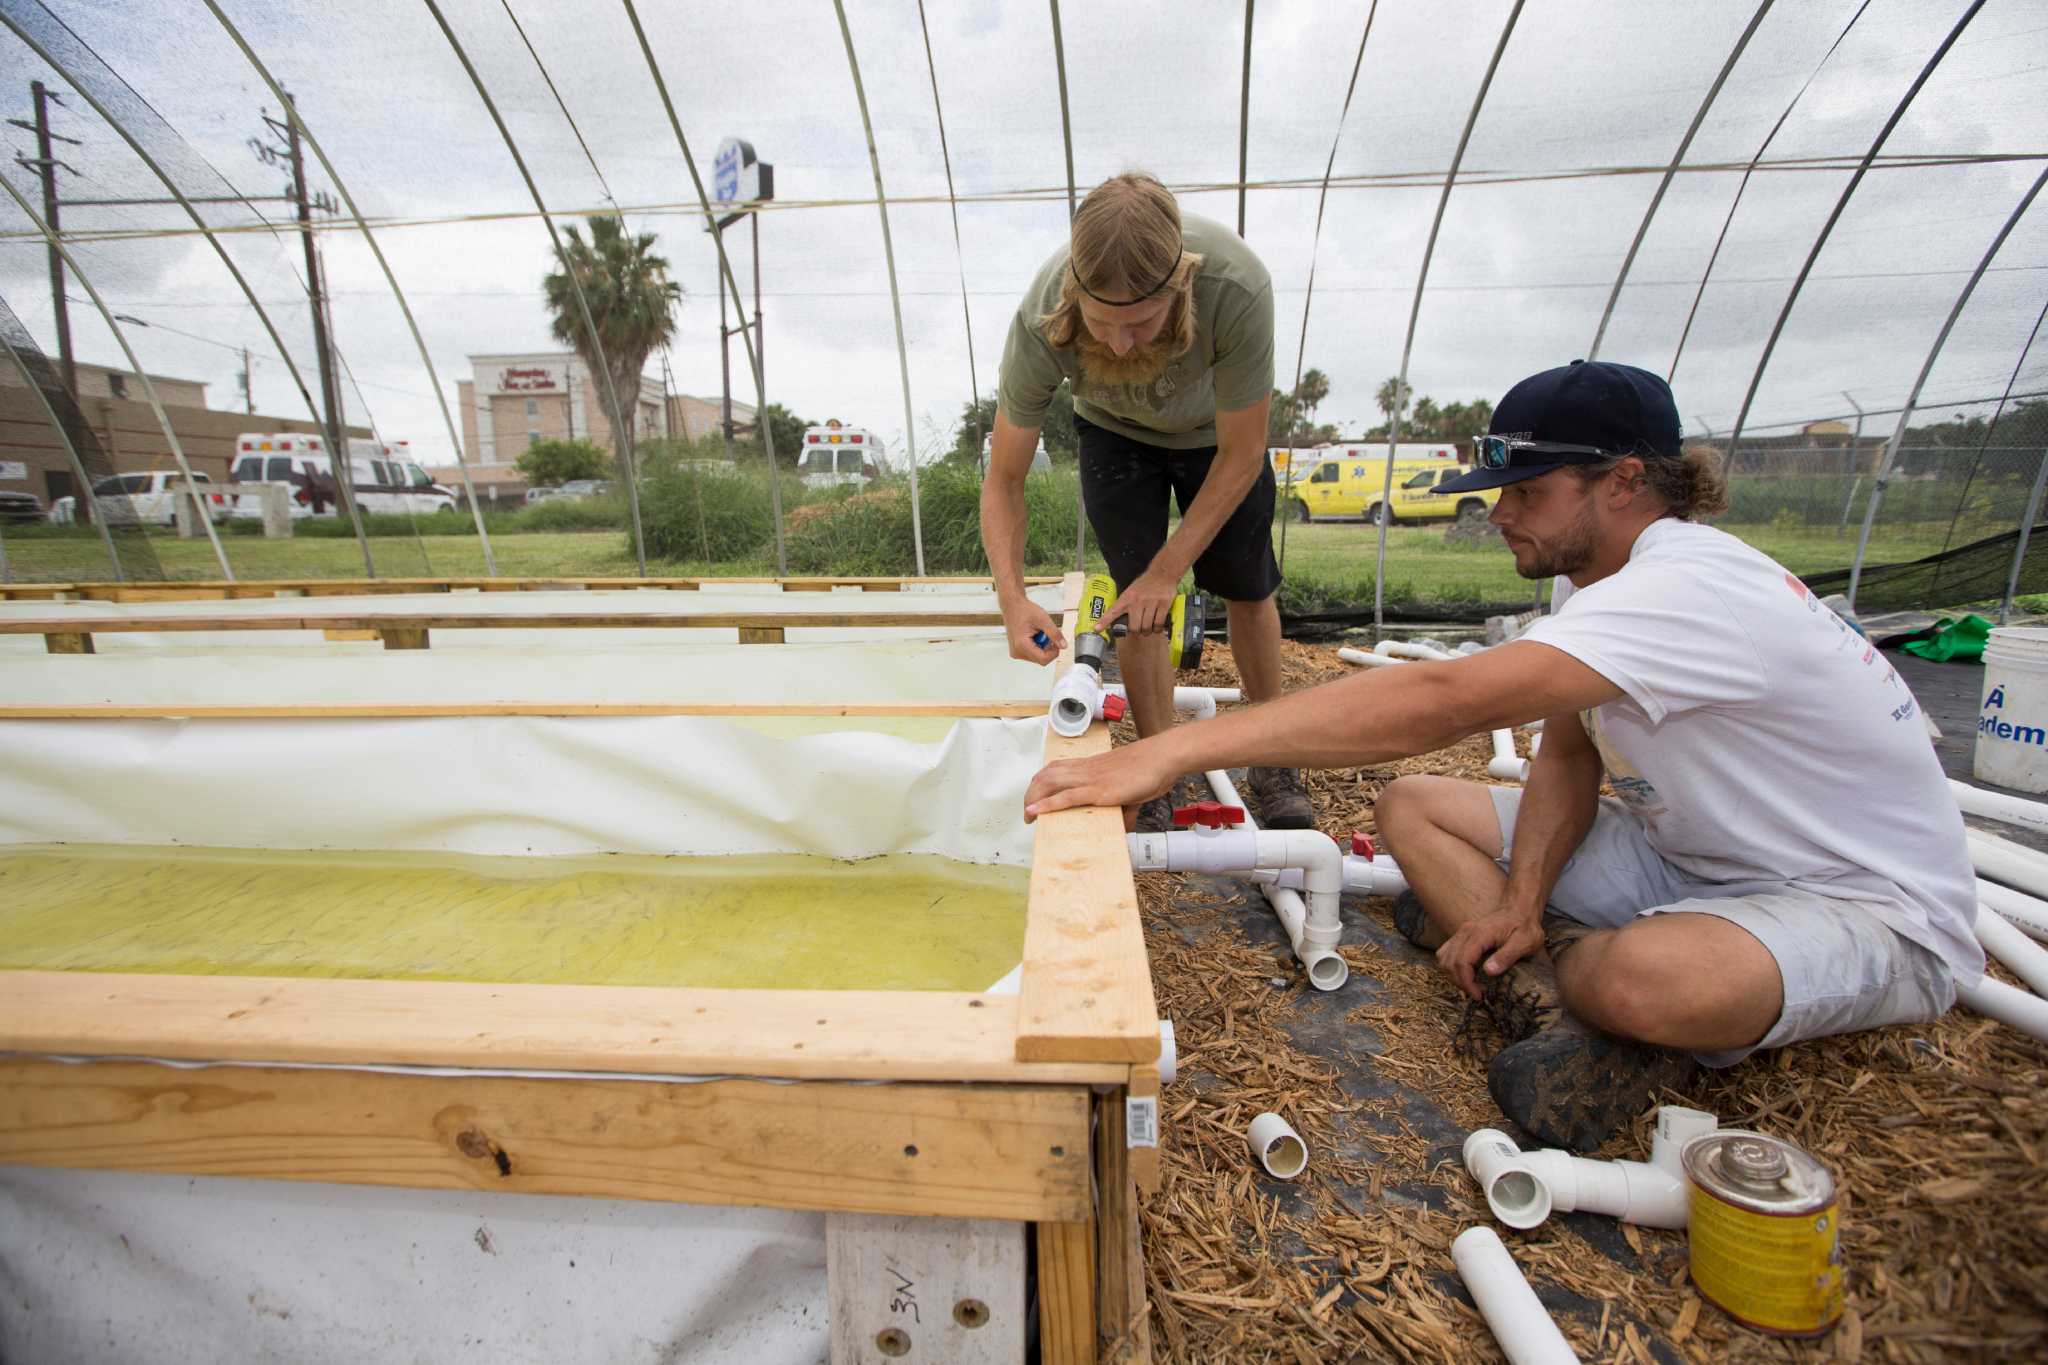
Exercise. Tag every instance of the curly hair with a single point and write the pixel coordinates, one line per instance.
(1692, 486)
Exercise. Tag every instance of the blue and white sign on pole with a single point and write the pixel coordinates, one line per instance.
(738, 176)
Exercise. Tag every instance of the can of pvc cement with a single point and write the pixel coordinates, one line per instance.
(1762, 1232)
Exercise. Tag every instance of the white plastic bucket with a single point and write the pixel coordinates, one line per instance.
(2012, 721)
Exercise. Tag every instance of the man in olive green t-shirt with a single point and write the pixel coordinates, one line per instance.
(1163, 322)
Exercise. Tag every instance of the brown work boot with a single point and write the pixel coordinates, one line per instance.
(1569, 1085)
(1279, 800)
(1156, 815)
(1565, 1082)
(1413, 922)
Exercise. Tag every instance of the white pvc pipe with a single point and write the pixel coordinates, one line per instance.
(1314, 936)
(2027, 959)
(2008, 1005)
(1169, 1053)
(2013, 810)
(1633, 1191)
(1517, 1196)
(1411, 649)
(2001, 860)
(1379, 875)
(2028, 915)
(1526, 1334)
(1366, 657)
(1505, 766)
(1189, 698)
(1277, 1146)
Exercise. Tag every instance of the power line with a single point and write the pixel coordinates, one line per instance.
(1387, 180)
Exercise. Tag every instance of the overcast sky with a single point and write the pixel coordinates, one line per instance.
(1518, 279)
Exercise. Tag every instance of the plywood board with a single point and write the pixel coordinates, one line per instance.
(937, 1289)
(1011, 1152)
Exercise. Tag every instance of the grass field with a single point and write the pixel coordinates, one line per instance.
(1327, 565)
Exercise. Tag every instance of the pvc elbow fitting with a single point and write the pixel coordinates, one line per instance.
(1505, 766)
(1515, 1193)
(1632, 1191)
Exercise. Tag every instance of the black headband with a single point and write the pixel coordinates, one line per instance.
(1179, 254)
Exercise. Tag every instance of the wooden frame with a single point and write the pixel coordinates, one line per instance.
(1002, 1106)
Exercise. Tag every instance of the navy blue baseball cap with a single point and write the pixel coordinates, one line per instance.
(1581, 413)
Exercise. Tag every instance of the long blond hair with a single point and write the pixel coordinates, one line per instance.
(1126, 237)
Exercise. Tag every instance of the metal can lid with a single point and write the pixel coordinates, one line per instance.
(1757, 1171)
(1758, 1167)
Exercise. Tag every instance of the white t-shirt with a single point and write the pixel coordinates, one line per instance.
(1760, 739)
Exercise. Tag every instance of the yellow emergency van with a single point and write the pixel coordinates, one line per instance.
(1343, 487)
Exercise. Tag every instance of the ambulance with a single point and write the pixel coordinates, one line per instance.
(384, 475)
(836, 455)
(1347, 483)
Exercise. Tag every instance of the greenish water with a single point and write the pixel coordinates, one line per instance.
(775, 921)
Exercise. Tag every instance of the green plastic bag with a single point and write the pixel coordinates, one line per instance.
(1954, 640)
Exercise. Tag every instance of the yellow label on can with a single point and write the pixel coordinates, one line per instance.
(1781, 1272)
(1176, 630)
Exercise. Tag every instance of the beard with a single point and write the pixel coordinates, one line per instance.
(1566, 553)
(1139, 365)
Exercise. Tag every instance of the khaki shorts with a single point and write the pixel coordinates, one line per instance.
(1843, 969)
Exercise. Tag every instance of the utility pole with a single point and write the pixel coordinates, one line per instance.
(248, 385)
(45, 165)
(290, 157)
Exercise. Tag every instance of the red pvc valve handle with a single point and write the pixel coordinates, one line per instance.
(1113, 708)
(1361, 844)
(1208, 814)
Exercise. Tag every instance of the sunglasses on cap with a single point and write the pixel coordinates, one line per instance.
(1497, 452)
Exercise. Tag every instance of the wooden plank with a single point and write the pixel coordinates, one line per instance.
(351, 634)
(405, 710)
(1144, 1157)
(760, 635)
(954, 1151)
(1066, 1293)
(102, 590)
(404, 637)
(808, 1035)
(937, 1289)
(1120, 1311)
(68, 642)
(437, 620)
(1086, 992)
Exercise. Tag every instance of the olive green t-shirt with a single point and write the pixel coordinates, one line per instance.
(1230, 366)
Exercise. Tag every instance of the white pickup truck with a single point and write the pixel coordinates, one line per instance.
(141, 499)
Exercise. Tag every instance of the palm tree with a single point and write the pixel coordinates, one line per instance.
(1310, 393)
(1393, 394)
(615, 303)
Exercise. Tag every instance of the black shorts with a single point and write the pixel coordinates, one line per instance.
(1124, 486)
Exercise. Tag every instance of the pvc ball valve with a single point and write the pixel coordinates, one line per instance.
(1113, 707)
(1361, 844)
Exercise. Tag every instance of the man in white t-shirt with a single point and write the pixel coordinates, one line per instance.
(1782, 860)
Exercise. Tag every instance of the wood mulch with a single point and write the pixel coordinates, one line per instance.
(1935, 1132)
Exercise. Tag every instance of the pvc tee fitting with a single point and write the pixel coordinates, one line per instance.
(1524, 1188)
(1277, 1146)
(1078, 698)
